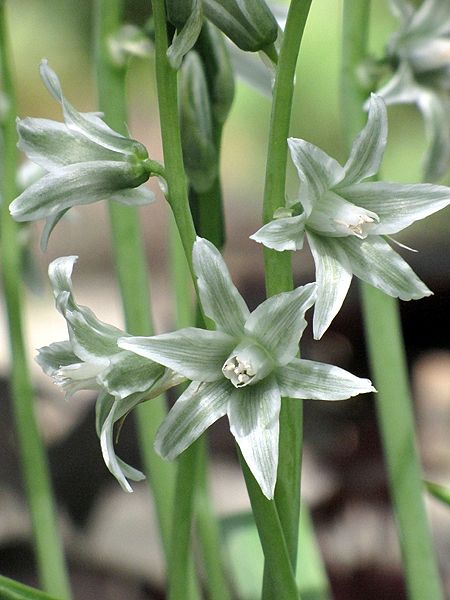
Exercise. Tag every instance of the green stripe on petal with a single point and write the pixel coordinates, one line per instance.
(307, 379)
(397, 205)
(51, 358)
(278, 323)
(90, 126)
(140, 196)
(333, 276)
(51, 145)
(254, 421)
(220, 299)
(286, 233)
(368, 148)
(186, 38)
(375, 262)
(195, 353)
(199, 407)
(81, 183)
(316, 169)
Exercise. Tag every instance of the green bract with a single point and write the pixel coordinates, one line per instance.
(91, 360)
(421, 51)
(242, 369)
(345, 219)
(85, 159)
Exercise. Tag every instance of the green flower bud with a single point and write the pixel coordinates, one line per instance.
(199, 151)
(178, 11)
(248, 23)
(218, 70)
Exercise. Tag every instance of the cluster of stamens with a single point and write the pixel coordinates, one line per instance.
(360, 228)
(240, 373)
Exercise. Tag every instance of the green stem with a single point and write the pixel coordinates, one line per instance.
(48, 548)
(387, 357)
(279, 573)
(131, 266)
(278, 267)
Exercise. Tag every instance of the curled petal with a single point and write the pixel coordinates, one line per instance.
(286, 233)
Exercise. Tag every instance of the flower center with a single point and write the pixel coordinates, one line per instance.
(359, 225)
(247, 364)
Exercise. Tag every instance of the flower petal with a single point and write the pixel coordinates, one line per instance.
(278, 323)
(81, 183)
(436, 114)
(52, 145)
(50, 224)
(91, 338)
(286, 233)
(396, 204)
(186, 38)
(307, 379)
(220, 299)
(129, 373)
(333, 276)
(90, 126)
(195, 353)
(116, 466)
(254, 421)
(140, 196)
(51, 358)
(199, 407)
(316, 169)
(368, 148)
(375, 262)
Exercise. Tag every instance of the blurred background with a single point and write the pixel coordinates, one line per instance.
(110, 536)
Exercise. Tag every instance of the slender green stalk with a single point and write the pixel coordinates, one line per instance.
(48, 548)
(278, 267)
(131, 265)
(387, 357)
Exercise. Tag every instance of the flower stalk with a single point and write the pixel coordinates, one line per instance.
(47, 542)
(387, 357)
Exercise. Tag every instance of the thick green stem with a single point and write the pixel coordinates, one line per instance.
(278, 267)
(48, 548)
(387, 357)
(131, 266)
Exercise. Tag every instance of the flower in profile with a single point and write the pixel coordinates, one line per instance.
(85, 160)
(91, 360)
(420, 51)
(346, 219)
(242, 369)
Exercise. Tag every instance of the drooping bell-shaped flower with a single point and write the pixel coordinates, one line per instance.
(420, 51)
(242, 369)
(86, 161)
(91, 360)
(346, 220)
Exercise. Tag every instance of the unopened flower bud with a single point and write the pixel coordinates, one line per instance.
(248, 23)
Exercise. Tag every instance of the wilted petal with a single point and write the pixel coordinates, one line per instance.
(195, 353)
(199, 407)
(312, 380)
(81, 183)
(286, 233)
(368, 148)
(375, 262)
(333, 276)
(316, 169)
(254, 421)
(397, 205)
(90, 126)
(278, 323)
(219, 297)
(52, 145)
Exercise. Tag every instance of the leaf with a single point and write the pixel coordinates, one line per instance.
(13, 590)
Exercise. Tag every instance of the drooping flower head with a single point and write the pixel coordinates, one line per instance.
(91, 360)
(242, 369)
(86, 161)
(346, 220)
(420, 51)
